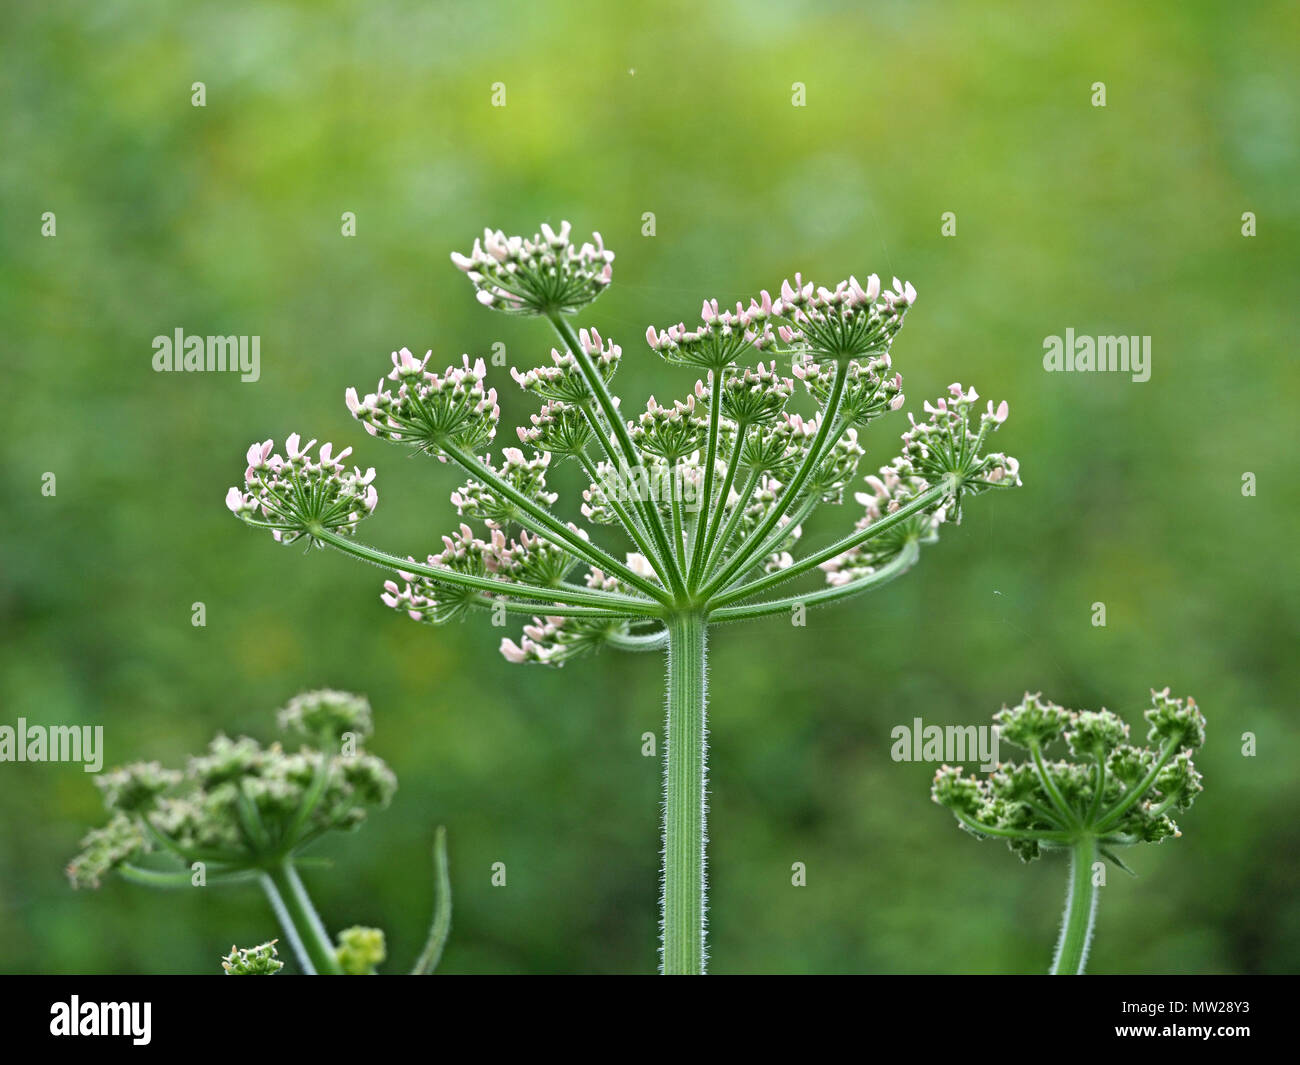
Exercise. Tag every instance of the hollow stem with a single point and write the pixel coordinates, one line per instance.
(685, 784)
(1080, 911)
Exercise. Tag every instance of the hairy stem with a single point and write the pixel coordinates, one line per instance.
(685, 784)
(1080, 911)
(441, 925)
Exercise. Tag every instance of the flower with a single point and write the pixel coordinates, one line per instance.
(431, 412)
(564, 380)
(945, 449)
(721, 340)
(754, 396)
(327, 715)
(545, 275)
(868, 390)
(240, 802)
(295, 495)
(849, 321)
(252, 961)
(525, 474)
(360, 950)
(669, 433)
(1115, 793)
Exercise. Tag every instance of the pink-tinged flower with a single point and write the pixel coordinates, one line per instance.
(539, 275)
(407, 365)
(293, 449)
(259, 453)
(301, 496)
(512, 652)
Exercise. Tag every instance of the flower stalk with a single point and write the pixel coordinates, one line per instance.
(685, 797)
(1080, 911)
(694, 509)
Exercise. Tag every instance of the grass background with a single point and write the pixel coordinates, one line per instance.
(226, 219)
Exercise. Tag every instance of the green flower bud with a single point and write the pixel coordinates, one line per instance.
(325, 716)
(1175, 720)
(1034, 722)
(360, 950)
(1095, 733)
(135, 788)
(252, 961)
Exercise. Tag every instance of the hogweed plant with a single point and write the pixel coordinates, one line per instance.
(709, 492)
(1112, 795)
(243, 812)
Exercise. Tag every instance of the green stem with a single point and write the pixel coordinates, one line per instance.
(630, 523)
(1080, 911)
(718, 549)
(441, 926)
(790, 494)
(297, 916)
(685, 785)
(713, 517)
(596, 385)
(897, 565)
(539, 521)
(613, 601)
(716, 381)
(804, 565)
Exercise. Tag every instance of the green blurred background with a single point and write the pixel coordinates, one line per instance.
(226, 220)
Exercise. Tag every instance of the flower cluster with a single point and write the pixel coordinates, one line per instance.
(261, 960)
(523, 473)
(946, 449)
(1111, 791)
(295, 495)
(241, 803)
(712, 491)
(847, 322)
(431, 412)
(547, 274)
(722, 338)
(361, 950)
(867, 392)
(564, 380)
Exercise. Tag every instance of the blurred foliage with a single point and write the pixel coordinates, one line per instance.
(226, 220)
